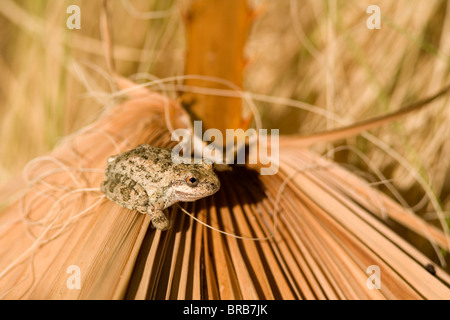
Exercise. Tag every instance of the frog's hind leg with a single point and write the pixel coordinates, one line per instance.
(126, 193)
(159, 219)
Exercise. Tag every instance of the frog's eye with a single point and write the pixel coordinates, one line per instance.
(192, 181)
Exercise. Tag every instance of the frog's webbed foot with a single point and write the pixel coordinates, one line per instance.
(159, 219)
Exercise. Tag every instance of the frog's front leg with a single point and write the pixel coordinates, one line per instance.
(159, 219)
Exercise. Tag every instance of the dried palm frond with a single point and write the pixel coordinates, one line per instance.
(309, 232)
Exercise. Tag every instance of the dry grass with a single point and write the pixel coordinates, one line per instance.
(366, 73)
(317, 55)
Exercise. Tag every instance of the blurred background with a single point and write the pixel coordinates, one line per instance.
(314, 53)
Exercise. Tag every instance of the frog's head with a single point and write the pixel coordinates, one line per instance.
(196, 181)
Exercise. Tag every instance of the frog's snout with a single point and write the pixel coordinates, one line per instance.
(214, 186)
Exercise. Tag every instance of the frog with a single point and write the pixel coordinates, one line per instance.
(150, 179)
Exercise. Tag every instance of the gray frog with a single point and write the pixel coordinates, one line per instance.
(147, 179)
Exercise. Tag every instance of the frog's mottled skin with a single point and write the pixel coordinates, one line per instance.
(147, 180)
